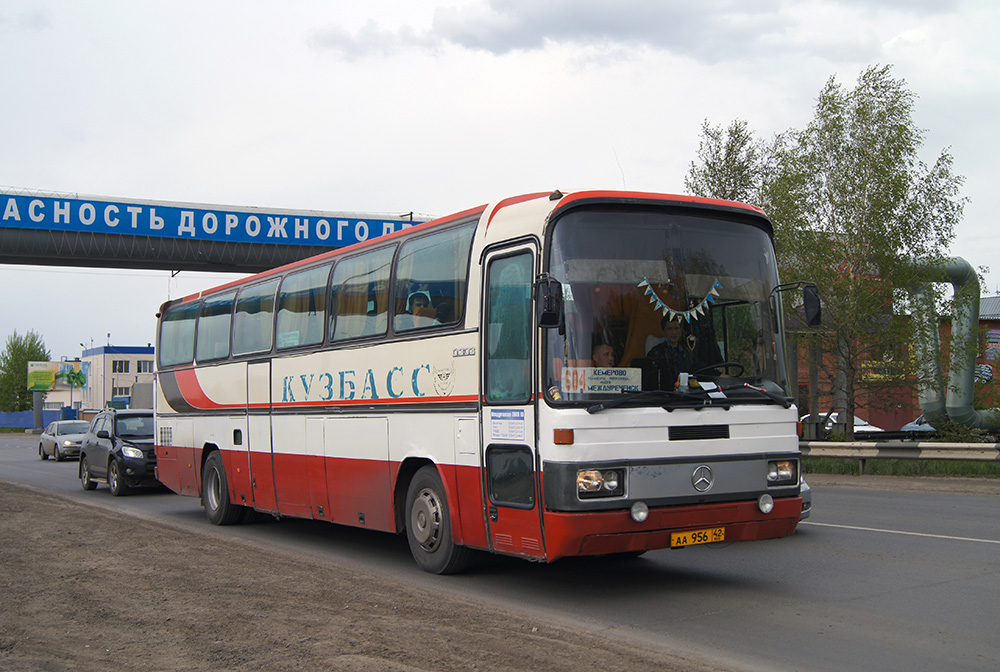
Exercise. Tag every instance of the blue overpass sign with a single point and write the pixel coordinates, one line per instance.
(203, 223)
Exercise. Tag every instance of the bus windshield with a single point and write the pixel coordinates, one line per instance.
(677, 303)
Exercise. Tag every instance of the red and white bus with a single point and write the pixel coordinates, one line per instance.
(441, 382)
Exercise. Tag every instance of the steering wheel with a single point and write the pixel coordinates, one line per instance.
(721, 365)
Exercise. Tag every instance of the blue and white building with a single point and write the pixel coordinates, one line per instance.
(114, 371)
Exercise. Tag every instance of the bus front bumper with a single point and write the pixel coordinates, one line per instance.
(608, 532)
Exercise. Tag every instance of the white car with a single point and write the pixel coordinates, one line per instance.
(918, 425)
(61, 439)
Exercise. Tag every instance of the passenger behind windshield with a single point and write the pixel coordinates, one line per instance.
(686, 348)
(637, 278)
(603, 355)
(672, 352)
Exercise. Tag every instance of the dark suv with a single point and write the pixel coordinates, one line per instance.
(118, 450)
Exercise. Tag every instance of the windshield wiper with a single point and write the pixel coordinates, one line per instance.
(786, 402)
(701, 395)
(635, 396)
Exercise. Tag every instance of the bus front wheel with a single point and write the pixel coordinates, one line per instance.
(428, 526)
(215, 493)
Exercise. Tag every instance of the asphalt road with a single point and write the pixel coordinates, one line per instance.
(877, 579)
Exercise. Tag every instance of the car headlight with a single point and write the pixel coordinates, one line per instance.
(67, 442)
(600, 483)
(132, 451)
(782, 472)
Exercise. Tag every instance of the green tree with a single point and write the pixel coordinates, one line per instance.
(729, 164)
(852, 203)
(19, 350)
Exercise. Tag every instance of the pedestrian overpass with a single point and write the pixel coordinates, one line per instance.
(59, 229)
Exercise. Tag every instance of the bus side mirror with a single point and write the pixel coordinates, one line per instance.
(810, 298)
(549, 302)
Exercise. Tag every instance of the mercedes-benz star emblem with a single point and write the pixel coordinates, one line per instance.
(702, 478)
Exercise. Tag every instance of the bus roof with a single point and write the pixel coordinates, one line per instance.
(557, 201)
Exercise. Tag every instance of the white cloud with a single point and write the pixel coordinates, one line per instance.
(708, 31)
(29, 19)
(712, 31)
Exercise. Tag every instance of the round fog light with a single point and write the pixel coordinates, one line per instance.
(765, 503)
(639, 512)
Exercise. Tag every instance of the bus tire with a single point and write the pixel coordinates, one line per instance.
(215, 493)
(428, 526)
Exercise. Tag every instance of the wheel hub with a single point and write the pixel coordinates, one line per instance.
(213, 491)
(425, 519)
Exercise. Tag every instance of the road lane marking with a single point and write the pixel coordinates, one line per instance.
(909, 534)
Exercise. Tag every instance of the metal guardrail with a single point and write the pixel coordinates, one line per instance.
(901, 450)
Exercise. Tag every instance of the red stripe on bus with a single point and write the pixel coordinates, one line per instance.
(633, 196)
(361, 492)
(191, 390)
(514, 200)
(349, 491)
(374, 402)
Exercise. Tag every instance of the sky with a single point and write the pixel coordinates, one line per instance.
(436, 106)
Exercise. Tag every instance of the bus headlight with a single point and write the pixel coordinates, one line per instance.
(599, 483)
(782, 472)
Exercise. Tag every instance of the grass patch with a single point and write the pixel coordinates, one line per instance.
(12, 430)
(836, 465)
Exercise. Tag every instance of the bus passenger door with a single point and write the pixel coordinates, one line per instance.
(510, 459)
(259, 435)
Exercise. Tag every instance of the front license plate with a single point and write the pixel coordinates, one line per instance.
(692, 537)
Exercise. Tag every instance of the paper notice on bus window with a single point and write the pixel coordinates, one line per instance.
(712, 389)
(507, 424)
(591, 380)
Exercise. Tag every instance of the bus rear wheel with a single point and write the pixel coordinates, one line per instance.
(428, 526)
(215, 493)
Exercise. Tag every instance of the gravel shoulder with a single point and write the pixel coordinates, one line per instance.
(82, 589)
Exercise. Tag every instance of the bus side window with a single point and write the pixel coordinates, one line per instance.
(301, 315)
(431, 277)
(214, 322)
(360, 295)
(508, 329)
(176, 344)
(511, 476)
(254, 325)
